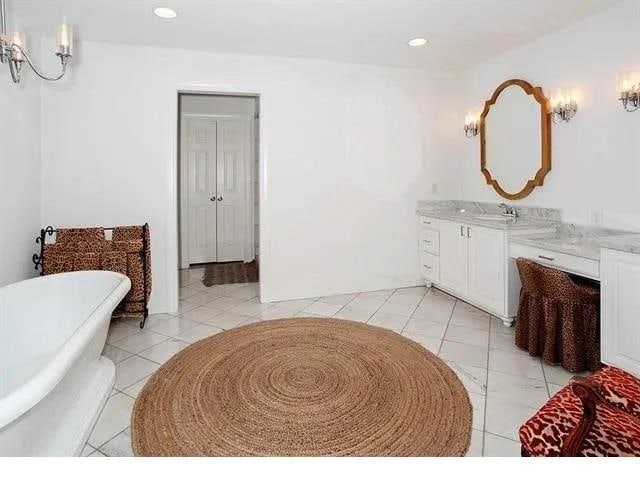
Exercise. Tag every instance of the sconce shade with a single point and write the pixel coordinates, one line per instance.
(563, 106)
(17, 39)
(64, 44)
(471, 123)
(630, 91)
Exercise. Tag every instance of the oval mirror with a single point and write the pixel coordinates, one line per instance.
(515, 139)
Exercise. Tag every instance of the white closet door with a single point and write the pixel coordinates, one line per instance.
(201, 186)
(233, 148)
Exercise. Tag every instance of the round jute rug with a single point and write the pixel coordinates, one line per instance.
(303, 387)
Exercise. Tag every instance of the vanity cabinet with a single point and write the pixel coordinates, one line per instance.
(453, 257)
(471, 262)
(486, 266)
(620, 326)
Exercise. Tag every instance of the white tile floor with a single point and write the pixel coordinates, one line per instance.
(505, 384)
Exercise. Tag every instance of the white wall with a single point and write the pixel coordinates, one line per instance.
(19, 175)
(346, 148)
(596, 163)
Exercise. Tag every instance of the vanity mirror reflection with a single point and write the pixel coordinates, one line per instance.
(515, 139)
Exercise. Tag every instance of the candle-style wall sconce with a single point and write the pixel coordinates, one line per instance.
(471, 124)
(630, 91)
(563, 106)
(13, 50)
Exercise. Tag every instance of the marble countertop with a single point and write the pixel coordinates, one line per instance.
(586, 247)
(496, 221)
(629, 242)
(578, 240)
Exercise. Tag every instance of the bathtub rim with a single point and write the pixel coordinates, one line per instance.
(29, 394)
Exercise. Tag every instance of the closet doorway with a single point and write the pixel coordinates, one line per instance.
(218, 179)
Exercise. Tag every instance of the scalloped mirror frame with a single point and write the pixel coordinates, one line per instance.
(545, 129)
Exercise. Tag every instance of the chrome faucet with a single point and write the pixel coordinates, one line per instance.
(508, 210)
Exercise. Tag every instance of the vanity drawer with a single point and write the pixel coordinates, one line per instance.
(428, 222)
(562, 261)
(430, 267)
(430, 241)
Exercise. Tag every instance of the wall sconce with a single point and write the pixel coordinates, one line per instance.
(471, 124)
(563, 106)
(630, 91)
(14, 52)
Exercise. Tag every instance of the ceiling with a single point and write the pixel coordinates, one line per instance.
(461, 33)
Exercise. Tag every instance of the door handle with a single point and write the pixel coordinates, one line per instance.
(462, 231)
(219, 199)
(468, 232)
(543, 257)
(213, 199)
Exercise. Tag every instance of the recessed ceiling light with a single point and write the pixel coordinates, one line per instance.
(417, 42)
(164, 12)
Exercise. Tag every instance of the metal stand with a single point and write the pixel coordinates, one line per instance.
(38, 261)
(145, 231)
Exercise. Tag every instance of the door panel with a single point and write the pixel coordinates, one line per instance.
(233, 143)
(201, 185)
(620, 325)
(453, 257)
(487, 267)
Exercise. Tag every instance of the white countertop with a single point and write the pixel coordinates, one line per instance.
(578, 240)
(487, 220)
(586, 247)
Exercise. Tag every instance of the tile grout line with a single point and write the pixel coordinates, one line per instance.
(378, 309)
(121, 431)
(413, 312)
(544, 376)
(486, 388)
(503, 437)
(96, 422)
(447, 328)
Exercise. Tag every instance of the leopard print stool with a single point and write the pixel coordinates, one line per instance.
(558, 317)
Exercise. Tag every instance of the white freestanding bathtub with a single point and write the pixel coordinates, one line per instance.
(53, 379)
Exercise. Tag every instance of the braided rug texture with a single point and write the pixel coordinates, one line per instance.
(303, 387)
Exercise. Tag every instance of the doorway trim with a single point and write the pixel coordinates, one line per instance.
(249, 246)
(174, 157)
